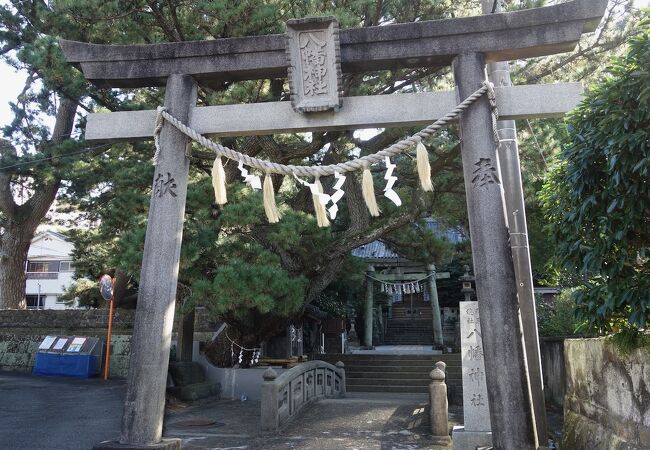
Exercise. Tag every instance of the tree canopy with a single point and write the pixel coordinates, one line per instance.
(597, 197)
(110, 185)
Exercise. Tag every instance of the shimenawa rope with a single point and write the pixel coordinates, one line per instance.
(363, 163)
(348, 166)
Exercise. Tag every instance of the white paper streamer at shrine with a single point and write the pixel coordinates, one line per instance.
(253, 181)
(323, 198)
(389, 193)
(337, 195)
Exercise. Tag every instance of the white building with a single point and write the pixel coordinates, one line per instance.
(49, 271)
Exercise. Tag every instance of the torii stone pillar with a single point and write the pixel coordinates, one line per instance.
(368, 314)
(508, 151)
(505, 367)
(144, 406)
(435, 307)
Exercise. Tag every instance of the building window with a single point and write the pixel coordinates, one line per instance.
(42, 266)
(66, 266)
(42, 270)
(35, 301)
(59, 300)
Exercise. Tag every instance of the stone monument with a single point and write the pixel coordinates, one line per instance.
(477, 429)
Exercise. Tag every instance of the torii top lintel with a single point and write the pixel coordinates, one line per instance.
(507, 36)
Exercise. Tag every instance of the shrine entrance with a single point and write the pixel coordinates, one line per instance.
(313, 54)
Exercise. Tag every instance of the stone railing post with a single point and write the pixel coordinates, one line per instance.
(270, 419)
(439, 405)
(341, 369)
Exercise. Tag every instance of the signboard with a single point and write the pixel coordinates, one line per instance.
(314, 64)
(47, 343)
(60, 344)
(76, 344)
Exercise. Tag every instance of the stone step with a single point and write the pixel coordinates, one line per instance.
(392, 389)
(386, 377)
(420, 373)
(455, 394)
(403, 358)
(407, 337)
(406, 321)
(388, 356)
(394, 338)
(373, 369)
(387, 382)
(409, 328)
(388, 362)
(453, 372)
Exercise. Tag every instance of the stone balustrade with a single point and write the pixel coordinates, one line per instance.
(284, 396)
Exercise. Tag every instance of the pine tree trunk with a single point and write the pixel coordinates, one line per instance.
(13, 255)
(18, 223)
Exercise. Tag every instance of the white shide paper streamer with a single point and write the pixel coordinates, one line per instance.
(389, 193)
(253, 181)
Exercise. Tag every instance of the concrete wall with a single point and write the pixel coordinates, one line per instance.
(18, 352)
(607, 405)
(21, 332)
(552, 354)
(235, 382)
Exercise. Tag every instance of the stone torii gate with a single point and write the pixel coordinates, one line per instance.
(466, 43)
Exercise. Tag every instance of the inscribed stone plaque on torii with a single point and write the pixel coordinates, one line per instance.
(314, 64)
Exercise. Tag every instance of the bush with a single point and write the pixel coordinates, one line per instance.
(597, 198)
(558, 318)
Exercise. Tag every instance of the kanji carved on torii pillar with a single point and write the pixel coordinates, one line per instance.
(467, 43)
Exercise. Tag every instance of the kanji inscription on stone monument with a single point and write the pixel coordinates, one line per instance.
(477, 411)
(164, 185)
(485, 173)
(314, 64)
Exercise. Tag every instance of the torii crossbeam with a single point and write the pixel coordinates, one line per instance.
(466, 42)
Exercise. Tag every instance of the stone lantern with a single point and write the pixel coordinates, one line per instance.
(467, 280)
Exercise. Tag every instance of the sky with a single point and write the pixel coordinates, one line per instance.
(12, 81)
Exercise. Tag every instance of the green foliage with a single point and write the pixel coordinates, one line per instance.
(251, 292)
(558, 318)
(111, 187)
(629, 339)
(86, 292)
(597, 198)
(346, 291)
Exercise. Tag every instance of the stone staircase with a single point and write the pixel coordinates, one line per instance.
(409, 332)
(417, 311)
(397, 373)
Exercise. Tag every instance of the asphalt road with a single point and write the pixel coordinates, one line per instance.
(38, 413)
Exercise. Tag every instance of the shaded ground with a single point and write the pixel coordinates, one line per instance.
(57, 413)
(374, 421)
(68, 414)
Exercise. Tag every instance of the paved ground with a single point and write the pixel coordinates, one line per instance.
(63, 414)
(54, 413)
(374, 421)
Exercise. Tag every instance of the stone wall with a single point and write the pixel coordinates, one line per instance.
(607, 404)
(21, 332)
(552, 355)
